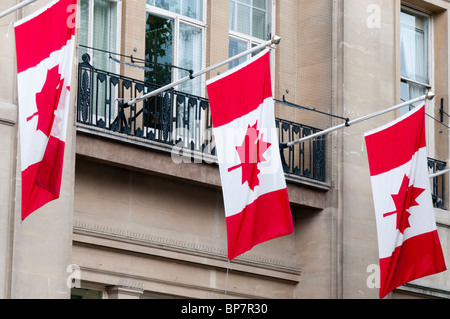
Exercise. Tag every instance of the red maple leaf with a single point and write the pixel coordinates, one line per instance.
(406, 198)
(47, 101)
(251, 154)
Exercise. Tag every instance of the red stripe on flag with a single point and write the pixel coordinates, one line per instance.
(417, 257)
(36, 39)
(33, 197)
(384, 154)
(238, 93)
(41, 182)
(268, 217)
(50, 172)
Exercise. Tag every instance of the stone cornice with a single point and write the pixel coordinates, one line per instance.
(248, 262)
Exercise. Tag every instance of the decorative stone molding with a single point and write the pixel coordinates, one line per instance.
(182, 246)
(124, 292)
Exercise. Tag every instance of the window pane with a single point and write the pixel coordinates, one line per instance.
(259, 4)
(192, 9)
(259, 24)
(78, 293)
(243, 19)
(189, 8)
(232, 15)
(410, 91)
(159, 49)
(252, 18)
(256, 52)
(84, 25)
(235, 47)
(190, 56)
(414, 47)
(104, 33)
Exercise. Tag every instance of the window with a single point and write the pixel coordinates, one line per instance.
(99, 29)
(175, 42)
(79, 293)
(189, 8)
(251, 17)
(250, 25)
(415, 54)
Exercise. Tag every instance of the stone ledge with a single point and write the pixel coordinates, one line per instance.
(181, 250)
(129, 152)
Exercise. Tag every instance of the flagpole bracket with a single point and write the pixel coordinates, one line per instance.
(347, 122)
(283, 146)
(191, 74)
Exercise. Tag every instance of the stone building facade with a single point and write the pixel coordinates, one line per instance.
(136, 220)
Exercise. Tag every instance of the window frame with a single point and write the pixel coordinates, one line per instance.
(251, 37)
(90, 50)
(429, 104)
(430, 45)
(118, 30)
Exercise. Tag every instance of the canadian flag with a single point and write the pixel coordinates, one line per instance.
(253, 184)
(408, 242)
(45, 43)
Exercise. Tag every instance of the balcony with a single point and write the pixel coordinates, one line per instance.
(174, 118)
(437, 183)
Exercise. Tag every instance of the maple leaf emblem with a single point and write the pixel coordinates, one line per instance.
(251, 154)
(403, 200)
(47, 101)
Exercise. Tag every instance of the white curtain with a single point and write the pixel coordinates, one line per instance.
(414, 47)
(98, 29)
(190, 56)
(104, 33)
(414, 53)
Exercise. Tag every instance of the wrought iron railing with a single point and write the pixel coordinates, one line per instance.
(171, 118)
(437, 183)
(175, 118)
(305, 159)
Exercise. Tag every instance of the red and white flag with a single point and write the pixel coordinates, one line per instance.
(408, 242)
(45, 43)
(253, 183)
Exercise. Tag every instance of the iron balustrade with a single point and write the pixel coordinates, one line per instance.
(170, 118)
(175, 118)
(438, 182)
(305, 159)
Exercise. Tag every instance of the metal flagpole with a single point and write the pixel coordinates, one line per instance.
(275, 40)
(428, 96)
(445, 171)
(16, 7)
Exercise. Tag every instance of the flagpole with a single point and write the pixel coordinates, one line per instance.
(428, 96)
(445, 171)
(16, 7)
(275, 40)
